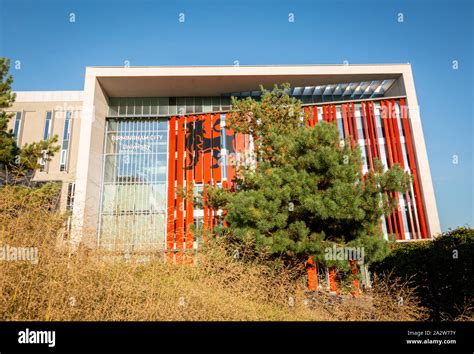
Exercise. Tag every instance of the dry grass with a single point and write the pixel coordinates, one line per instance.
(218, 287)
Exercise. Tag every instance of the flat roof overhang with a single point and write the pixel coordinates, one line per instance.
(214, 81)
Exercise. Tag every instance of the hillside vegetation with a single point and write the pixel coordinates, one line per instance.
(88, 286)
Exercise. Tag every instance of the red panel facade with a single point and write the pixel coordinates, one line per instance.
(198, 143)
(411, 156)
(180, 183)
(189, 183)
(216, 148)
(195, 146)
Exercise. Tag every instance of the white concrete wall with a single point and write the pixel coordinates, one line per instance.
(89, 164)
(427, 190)
(49, 96)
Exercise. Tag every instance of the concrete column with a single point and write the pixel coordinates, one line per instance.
(421, 155)
(89, 163)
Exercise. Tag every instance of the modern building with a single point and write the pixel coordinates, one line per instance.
(136, 138)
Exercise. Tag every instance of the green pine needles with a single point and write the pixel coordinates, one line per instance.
(307, 192)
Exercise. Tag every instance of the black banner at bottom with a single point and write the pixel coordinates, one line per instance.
(192, 337)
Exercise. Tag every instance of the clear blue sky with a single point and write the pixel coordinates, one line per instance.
(54, 53)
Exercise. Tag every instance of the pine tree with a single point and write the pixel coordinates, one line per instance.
(307, 191)
(8, 148)
(17, 165)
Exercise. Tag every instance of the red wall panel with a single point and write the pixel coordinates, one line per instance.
(198, 141)
(413, 168)
(180, 183)
(206, 144)
(345, 126)
(307, 118)
(207, 136)
(368, 138)
(189, 187)
(216, 148)
(315, 116)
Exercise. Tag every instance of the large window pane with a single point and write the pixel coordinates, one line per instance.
(163, 102)
(134, 188)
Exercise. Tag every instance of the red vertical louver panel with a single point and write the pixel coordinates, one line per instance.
(356, 133)
(332, 280)
(179, 184)
(411, 201)
(372, 125)
(355, 283)
(413, 168)
(198, 147)
(368, 138)
(393, 159)
(171, 184)
(312, 274)
(398, 158)
(402, 164)
(216, 148)
(334, 114)
(207, 138)
(397, 134)
(315, 116)
(395, 156)
(215, 165)
(207, 173)
(307, 118)
(372, 120)
(376, 147)
(391, 131)
(354, 122)
(388, 144)
(410, 211)
(344, 120)
(349, 124)
(189, 182)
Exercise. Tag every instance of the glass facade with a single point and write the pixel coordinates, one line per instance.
(66, 139)
(141, 212)
(134, 185)
(166, 106)
(46, 135)
(331, 92)
(17, 127)
(47, 126)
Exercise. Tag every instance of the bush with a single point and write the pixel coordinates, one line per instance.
(441, 270)
(221, 285)
(30, 216)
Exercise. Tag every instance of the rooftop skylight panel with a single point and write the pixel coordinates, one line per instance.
(308, 90)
